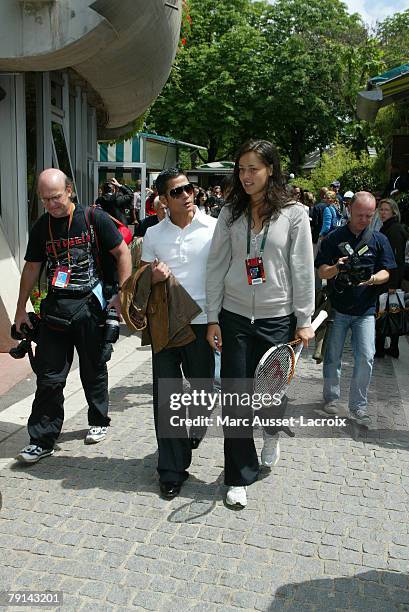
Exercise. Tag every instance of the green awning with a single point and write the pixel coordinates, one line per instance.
(382, 90)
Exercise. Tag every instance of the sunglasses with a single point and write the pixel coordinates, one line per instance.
(177, 191)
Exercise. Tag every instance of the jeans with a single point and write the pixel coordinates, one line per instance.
(363, 349)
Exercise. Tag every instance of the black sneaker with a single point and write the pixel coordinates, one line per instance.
(361, 417)
(33, 453)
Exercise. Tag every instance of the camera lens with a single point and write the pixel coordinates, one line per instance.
(20, 351)
(111, 326)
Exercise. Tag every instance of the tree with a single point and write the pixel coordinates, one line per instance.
(314, 76)
(339, 162)
(393, 36)
(207, 99)
(288, 71)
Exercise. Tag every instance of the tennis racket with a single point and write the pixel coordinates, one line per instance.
(276, 368)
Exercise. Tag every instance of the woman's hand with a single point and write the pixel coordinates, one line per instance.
(214, 336)
(305, 334)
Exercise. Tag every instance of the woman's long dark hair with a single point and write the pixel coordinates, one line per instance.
(275, 198)
(198, 203)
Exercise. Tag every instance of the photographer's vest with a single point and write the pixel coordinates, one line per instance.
(74, 254)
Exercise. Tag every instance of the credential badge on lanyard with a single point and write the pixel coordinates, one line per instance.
(62, 274)
(254, 265)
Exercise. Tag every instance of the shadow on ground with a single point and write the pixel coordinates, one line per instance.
(117, 475)
(374, 591)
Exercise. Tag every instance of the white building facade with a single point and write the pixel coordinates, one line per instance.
(71, 72)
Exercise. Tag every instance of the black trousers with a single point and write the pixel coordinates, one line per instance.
(196, 360)
(244, 344)
(53, 360)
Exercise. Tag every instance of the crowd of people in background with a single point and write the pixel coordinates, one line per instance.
(177, 240)
(327, 210)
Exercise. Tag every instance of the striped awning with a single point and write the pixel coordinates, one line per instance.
(157, 151)
(126, 151)
(382, 90)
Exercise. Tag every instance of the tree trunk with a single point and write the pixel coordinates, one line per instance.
(212, 150)
(296, 153)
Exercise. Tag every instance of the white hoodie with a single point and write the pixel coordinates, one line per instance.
(288, 265)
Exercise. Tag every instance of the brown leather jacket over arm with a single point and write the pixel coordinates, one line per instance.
(162, 312)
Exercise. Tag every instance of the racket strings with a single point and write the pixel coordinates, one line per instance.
(275, 373)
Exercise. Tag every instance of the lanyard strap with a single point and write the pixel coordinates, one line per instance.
(68, 234)
(263, 242)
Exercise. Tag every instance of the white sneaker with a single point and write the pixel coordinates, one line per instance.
(270, 453)
(95, 435)
(33, 453)
(237, 496)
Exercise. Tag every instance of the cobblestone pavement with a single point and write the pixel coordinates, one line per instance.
(326, 529)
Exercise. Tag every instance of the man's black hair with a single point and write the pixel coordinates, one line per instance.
(165, 176)
(107, 188)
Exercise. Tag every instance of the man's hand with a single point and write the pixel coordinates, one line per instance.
(341, 261)
(20, 318)
(160, 272)
(114, 182)
(115, 302)
(214, 336)
(305, 334)
(327, 272)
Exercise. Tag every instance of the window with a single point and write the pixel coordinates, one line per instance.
(61, 156)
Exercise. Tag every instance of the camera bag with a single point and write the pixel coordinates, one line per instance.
(60, 312)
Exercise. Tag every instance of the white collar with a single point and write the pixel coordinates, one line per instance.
(198, 217)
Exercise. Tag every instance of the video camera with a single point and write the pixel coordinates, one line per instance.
(352, 272)
(26, 335)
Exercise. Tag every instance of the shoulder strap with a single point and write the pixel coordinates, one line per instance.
(90, 211)
(44, 262)
(367, 235)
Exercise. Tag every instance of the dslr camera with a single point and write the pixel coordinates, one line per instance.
(26, 335)
(353, 271)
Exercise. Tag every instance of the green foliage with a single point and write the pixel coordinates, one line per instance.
(184, 159)
(360, 178)
(393, 37)
(288, 71)
(334, 163)
(36, 298)
(354, 172)
(206, 98)
(306, 183)
(318, 57)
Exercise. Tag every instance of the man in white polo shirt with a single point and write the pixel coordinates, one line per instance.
(179, 245)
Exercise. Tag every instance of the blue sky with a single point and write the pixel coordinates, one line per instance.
(373, 10)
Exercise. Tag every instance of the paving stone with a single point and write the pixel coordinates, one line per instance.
(243, 599)
(326, 530)
(147, 600)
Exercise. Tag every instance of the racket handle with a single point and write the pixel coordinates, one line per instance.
(319, 319)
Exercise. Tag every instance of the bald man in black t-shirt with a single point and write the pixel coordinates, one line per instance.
(70, 242)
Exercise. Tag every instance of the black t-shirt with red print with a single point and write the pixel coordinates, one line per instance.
(72, 246)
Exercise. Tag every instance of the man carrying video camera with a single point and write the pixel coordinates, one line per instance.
(355, 260)
(72, 242)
